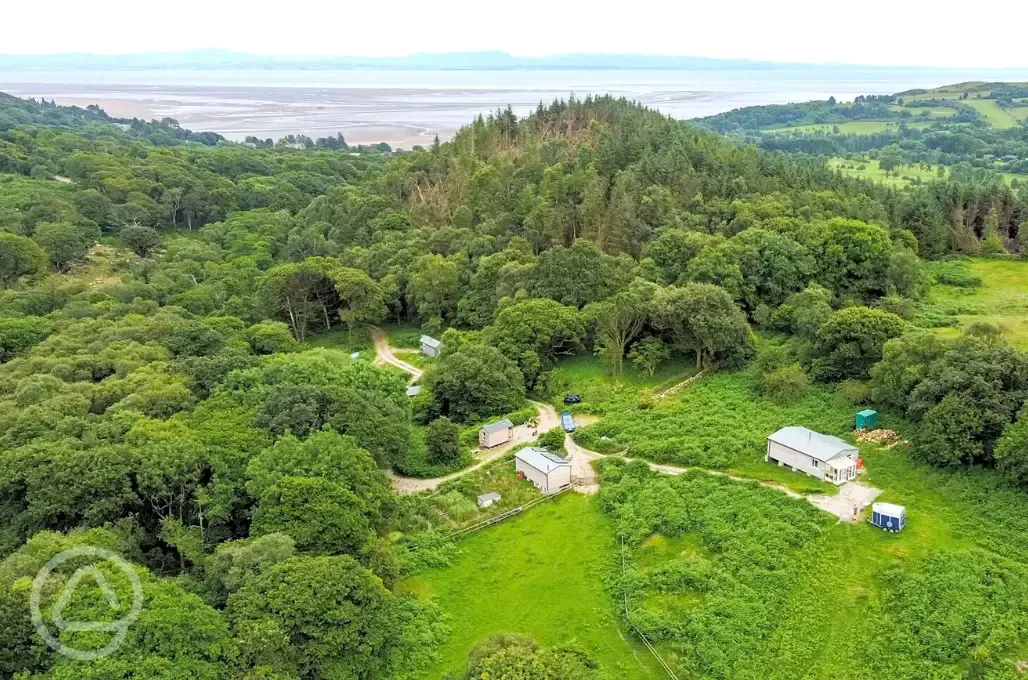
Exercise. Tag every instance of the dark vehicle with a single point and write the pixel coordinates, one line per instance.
(572, 398)
(567, 422)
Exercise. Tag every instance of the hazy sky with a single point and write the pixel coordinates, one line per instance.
(888, 32)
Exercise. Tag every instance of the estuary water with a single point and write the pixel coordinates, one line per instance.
(408, 107)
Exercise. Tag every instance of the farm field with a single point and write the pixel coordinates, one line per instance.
(537, 574)
(997, 117)
(861, 127)
(873, 172)
(1002, 299)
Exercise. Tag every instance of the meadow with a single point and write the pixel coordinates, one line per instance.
(540, 574)
(871, 170)
(1002, 299)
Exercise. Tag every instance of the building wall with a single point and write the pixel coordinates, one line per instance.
(547, 483)
(429, 351)
(490, 439)
(795, 459)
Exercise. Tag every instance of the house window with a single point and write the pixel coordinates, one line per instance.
(813, 462)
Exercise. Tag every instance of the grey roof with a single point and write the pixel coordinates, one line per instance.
(499, 425)
(540, 459)
(491, 496)
(430, 341)
(413, 390)
(822, 447)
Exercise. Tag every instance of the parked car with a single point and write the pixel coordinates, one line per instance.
(572, 398)
(567, 422)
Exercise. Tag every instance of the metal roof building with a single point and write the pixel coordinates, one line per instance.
(548, 471)
(819, 455)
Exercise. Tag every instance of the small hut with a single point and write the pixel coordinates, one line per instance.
(888, 516)
(430, 347)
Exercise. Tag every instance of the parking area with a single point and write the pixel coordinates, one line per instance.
(850, 501)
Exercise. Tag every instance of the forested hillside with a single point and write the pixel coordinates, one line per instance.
(183, 379)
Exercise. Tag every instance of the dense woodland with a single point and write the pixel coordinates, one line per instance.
(161, 394)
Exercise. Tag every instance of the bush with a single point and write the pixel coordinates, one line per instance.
(787, 383)
(456, 506)
(270, 337)
(855, 392)
(443, 442)
(955, 272)
(552, 440)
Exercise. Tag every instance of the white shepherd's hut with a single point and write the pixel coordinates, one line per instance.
(494, 434)
(549, 472)
(819, 455)
(430, 347)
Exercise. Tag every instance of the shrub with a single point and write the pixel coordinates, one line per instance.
(787, 383)
(954, 272)
(454, 504)
(855, 392)
(552, 440)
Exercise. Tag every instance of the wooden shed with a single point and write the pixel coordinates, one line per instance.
(494, 434)
(430, 347)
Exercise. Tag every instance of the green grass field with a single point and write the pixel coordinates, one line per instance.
(1002, 299)
(584, 375)
(873, 172)
(997, 117)
(537, 574)
(859, 127)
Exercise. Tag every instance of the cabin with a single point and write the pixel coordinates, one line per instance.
(487, 499)
(888, 516)
(413, 390)
(549, 472)
(819, 455)
(494, 434)
(430, 347)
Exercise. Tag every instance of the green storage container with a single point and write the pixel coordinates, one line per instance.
(867, 419)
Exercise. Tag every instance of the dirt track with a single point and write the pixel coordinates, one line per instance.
(384, 355)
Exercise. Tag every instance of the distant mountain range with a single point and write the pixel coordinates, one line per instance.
(223, 59)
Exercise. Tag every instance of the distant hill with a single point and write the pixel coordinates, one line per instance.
(224, 59)
(901, 139)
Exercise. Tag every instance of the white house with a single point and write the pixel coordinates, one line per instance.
(494, 434)
(430, 347)
(819, 455)
(487, 499)
(549, 472)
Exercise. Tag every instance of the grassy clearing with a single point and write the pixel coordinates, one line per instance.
(537, 574)
(357, 341)
(858, 127)
(586, 376)
(1002, 299)
(1019, 112)
(991, 111)
(718, 422)
(819, 602)
(872, 171)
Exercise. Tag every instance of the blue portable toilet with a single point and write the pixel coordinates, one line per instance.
(867, 419)
(888, 516)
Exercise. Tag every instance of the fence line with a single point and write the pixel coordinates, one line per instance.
(663, 664)
(495, 520)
